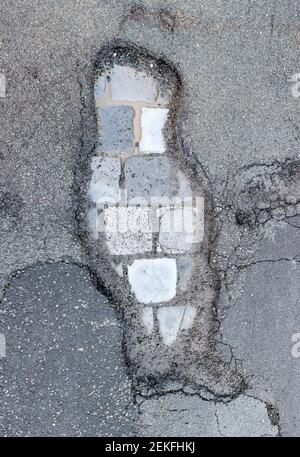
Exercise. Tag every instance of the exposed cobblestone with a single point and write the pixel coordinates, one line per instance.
(149, 177)
(131, 85)
(116, 130)
(104, 186)
(159, 344)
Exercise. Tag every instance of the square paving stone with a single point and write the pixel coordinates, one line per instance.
(147, 177)
(130, 84)
(128, 230)
(153, 280)
(116, 130)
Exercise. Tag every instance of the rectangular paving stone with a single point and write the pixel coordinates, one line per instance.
(178, 227)
(130, 84)
(148, 177)
(153, 280)
(104, 185)
(129, 244)
(116, 130)
(153, 122)
(128, 230)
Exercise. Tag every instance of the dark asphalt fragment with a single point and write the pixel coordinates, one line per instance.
(64, 373)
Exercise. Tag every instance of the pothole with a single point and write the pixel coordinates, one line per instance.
(145, 223)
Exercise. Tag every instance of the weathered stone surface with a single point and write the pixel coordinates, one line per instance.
(153, 280)
(130, 84)
(128, 243)
(116, 130)
(128, 230)
(148, 177)
(152, 123)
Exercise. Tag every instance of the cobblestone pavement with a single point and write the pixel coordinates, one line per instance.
(63, 367)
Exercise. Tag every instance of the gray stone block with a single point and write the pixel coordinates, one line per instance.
(148, 177)
(129, 84)
(116, 130)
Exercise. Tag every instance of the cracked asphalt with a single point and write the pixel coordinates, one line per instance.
(65, 372)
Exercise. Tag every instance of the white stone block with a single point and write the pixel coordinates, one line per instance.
(104, 185)
(173, 319)
(153, 122)
(153, 280)
(148, 319)
(128, 230)
(132, 85)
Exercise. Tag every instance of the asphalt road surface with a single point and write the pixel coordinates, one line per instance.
(62, 365)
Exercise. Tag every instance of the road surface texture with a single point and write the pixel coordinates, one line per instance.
(63, 369)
